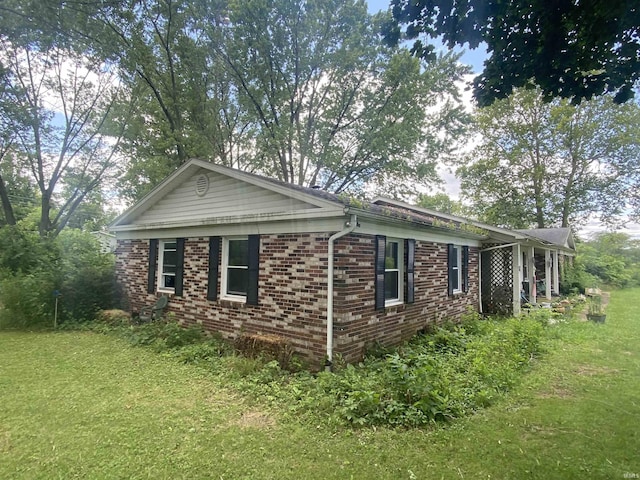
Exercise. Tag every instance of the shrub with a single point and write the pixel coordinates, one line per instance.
(86, 278)
(32, 268)
(26, 300)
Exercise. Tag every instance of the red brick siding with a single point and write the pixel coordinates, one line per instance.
(292, 292)
(358, 324)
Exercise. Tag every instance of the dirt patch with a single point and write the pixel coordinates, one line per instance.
(5, 441)
(590, 370)
(556, 392)
(255, 419)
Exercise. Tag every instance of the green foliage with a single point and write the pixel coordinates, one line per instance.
(539, 40)
(607, 259)
(32, 268)
(22, 250)
(441, 202)
(572, 416)
(26, 299)
(450, 372)
(86, 275)
(553, 164)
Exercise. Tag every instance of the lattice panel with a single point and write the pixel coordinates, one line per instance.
(497, 281)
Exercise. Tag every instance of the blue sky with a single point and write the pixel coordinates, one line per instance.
(474, 58)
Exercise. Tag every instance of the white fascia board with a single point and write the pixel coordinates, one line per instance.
(300, 226)
(376, 224)
(232, 220)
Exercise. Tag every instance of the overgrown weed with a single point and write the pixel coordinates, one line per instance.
(447, 373)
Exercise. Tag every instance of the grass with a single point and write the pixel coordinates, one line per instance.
(81, 405)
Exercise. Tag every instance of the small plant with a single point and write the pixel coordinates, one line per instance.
(595, 305)
(596, 310)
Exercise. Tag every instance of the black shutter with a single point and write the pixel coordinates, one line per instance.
(254, 267)
(465, 269)
(450, 261)
(381, 247)
(179, 266)
(410, 246)
(153, 265)
(214, 260)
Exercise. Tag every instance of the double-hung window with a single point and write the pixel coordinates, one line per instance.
(167, 265)
(239, 260)
(456, 270)
(458, 267)
(235, 271)
(393, 271)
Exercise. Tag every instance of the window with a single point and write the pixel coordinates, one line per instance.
(235, 271)
(167, 265)
(240, 266)
(393, 271)
(393, 275)
(458, 267)
(456, 271)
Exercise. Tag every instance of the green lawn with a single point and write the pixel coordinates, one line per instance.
(83, 405)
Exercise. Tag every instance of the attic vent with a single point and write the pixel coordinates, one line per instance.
(202, 185)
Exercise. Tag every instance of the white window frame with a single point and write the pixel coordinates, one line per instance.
(400, 299)
(224, 294)
(160, 274)
(458, 268)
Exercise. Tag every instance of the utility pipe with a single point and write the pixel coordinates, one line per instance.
(349, 227)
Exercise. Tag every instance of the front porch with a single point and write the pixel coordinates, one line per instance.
(516, 273)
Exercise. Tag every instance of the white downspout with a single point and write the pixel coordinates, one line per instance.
(349, 227)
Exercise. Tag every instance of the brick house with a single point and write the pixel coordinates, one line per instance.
(238, 253)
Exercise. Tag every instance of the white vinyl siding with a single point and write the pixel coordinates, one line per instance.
(225, 197)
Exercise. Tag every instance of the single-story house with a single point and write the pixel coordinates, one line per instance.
(240, 253)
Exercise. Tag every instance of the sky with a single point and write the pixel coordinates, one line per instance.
(475, 59)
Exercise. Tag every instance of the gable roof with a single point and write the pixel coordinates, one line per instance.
(230, 196)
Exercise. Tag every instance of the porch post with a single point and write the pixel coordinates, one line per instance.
(547, 274)
(533, 291)
(516, 275)
(556, 274)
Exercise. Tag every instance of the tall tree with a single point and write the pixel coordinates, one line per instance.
(335, 107)
(185, 102)
(64, 99)
(554, 164)
(571, 49)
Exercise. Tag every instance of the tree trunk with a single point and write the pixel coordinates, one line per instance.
(6, 203)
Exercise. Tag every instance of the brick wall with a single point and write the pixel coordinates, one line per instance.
(359, 325)
(292, 292)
